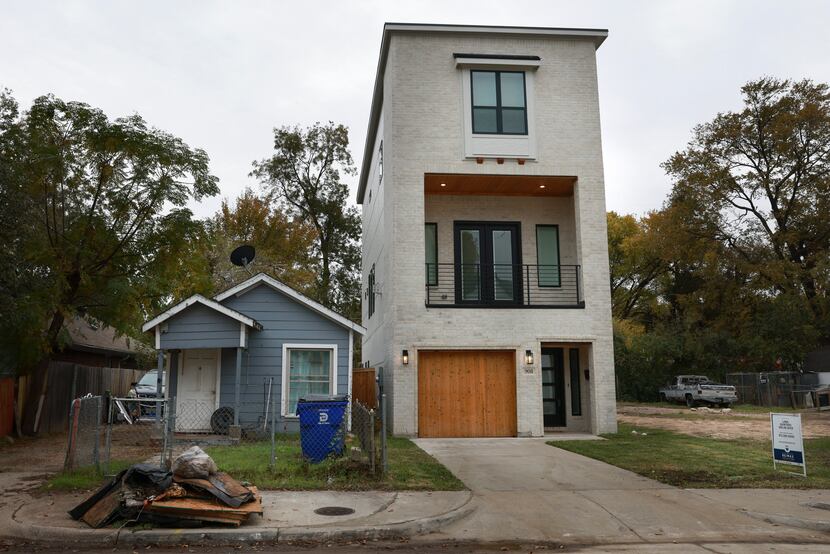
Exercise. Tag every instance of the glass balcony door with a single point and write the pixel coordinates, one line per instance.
(488, 263)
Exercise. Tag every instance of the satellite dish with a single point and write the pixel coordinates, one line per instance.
(243, 255)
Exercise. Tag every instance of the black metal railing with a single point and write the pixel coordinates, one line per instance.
(503, 286)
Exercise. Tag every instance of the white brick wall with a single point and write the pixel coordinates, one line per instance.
(375, 252)
(423, 133)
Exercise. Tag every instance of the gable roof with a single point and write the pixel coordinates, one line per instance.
(199, 299)
(265, 279)
(598, 36)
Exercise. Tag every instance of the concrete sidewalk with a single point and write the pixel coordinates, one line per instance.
(288, 517)
(806, 509)
(526, 491)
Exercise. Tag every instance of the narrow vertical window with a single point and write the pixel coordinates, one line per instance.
(370, 292)
(576, 391)
(547, 256)
(431, 253)
(380, 162)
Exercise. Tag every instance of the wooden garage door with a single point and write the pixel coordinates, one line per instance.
(465, 393)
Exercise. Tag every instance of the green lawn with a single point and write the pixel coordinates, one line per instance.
(410, 468)
(82, 479)
(695, 462)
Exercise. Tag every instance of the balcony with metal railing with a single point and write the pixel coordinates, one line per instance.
(459, 285)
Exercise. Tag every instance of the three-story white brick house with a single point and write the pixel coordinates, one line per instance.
(485, 257)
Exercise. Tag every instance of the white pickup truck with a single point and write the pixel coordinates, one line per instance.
(698, 389)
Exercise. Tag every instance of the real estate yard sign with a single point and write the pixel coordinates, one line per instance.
(787, 442)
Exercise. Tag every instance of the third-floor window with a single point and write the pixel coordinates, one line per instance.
(499, 102)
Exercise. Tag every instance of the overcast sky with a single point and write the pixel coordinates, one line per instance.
(221, 75)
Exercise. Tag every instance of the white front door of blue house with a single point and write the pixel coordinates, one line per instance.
(196, 390)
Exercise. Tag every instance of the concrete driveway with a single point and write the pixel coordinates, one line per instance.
(526, 490)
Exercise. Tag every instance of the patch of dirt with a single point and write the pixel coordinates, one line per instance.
(686, 479)
(715, 424)
(636, 409)
(44, 454)
(48, 453)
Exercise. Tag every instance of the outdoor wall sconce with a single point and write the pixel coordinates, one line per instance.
(529, 357)
(587, 374)
(405, 357)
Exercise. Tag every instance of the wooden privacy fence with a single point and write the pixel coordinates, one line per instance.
(6, 405)
(364, 389)
(68, 381)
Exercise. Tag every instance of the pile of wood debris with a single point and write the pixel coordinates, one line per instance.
(195, 493)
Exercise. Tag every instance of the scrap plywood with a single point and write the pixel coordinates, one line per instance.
(207, 509)
(222, 486)
(104, 511)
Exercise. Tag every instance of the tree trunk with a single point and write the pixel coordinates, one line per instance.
(325, 276)
(38, 382)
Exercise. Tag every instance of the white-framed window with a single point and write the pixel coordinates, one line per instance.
(499, 105)
(307, 369)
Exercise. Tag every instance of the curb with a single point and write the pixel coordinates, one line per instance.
(790, 521)
(170, 537)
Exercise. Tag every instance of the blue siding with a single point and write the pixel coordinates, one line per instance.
(200, 327)
(283, 321)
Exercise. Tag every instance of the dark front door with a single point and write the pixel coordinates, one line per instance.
(553, 386)
(487, 263)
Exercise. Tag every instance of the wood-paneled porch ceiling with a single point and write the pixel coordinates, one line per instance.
(498, 185)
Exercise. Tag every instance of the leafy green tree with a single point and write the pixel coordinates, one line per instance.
(757, 181)
(104, 205)
(636, 261)
(304, 176)
(284, 245)
(743, 247)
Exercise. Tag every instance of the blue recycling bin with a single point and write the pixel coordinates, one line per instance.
(322, 426)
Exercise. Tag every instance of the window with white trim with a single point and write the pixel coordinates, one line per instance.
(308, 370)
(499, 105)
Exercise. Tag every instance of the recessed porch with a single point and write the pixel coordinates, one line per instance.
(501, 241)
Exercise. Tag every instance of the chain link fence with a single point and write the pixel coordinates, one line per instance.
(368, 426)
(84, 447)
(195, 422)
(138, 430)
(156, 430)
(112, 433)
(364, 429)
(776, 389)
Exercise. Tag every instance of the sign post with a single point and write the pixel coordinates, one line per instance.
(787, 442)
